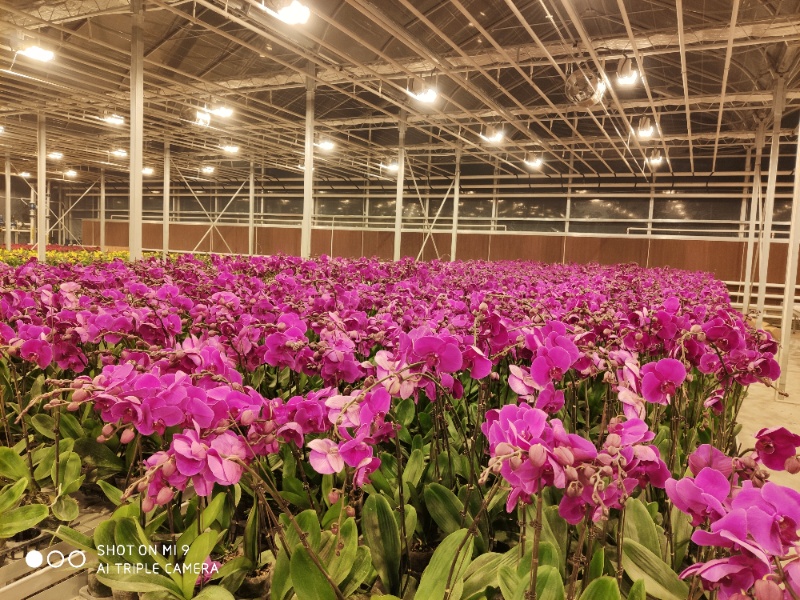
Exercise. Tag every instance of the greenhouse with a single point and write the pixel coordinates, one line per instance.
(396, 299)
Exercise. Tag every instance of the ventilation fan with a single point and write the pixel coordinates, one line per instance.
(585, 88)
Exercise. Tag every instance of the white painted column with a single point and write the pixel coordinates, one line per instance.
(791, 274)
(8, 204)
(165, 211)
(102, 210)
(137, 131)
(308, 173)
(251, 213)
(766, 234)
(755, 203)
(456, 200)
(401, 170)
(41, 189)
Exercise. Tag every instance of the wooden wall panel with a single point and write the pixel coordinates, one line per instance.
(116, 233)
(278, 240)
(348, 243)
(229, 239)
(90, 232)
(606, 251)
(410, 243)
(724, 259)
(776, 273)
(320, 242)
(472, 246)
(542, 248)
(442, 245)
(189, 238)
(151, 236)
(379, 244)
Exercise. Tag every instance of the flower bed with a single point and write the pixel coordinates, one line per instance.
(22, 253)
(334, 428)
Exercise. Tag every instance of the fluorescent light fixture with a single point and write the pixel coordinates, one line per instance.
(669, 192)
(655, 158)
(147, 171)
(626, 72)
(230, 148)
(646, 129)
(582, 191)
(391, 166)
(37, 53)
(202, 118)
(2, 129)
(55, 155)
(222, 111)
(70, 173)
(291, 13)
(208, 169)
(492, 134)
(24, 174)
(326, 145)
(120, 153)
(420, 91)
(533, 160)
(114, 119)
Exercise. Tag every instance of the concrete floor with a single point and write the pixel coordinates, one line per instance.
(763, 407)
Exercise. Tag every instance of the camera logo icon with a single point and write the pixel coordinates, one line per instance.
(55, 559)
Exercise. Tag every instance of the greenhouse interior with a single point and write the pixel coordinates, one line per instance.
(443, 299)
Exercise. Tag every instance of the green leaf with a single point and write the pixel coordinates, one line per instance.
(114, 577)
(69, 471)
(19, 519)
(444, 576)
(11, 494)
(75, 538)
(251, 537)
(69, 426)
(309, 582)
(281, 577)
(308, 523)
(660, 580)
(98, 457)
(482, 573)
(126, 535)
(597, 564)
(362, 566)
(414, 468)
(444, 507)
(11, 465)
(549, 585)
(214, 592)
(639, 526)
(199, 551)
(45, 425)
(65, 508)
(604, 588)
(637, 591)
(383, 538)
(345, 553)
(681, 535)
(104, 538)
(113, 493)
(405, 411)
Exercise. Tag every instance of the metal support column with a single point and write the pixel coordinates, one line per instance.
(41, 190)
(766, 234)
(165, 211)
(456, 200)
(102, 210)
(791, 274)
(755, 203)
(8, 204)
(251, 213)
(401, 170)
(137, 131)
(308, 172)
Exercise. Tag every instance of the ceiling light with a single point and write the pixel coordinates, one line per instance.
(2, 129)
(230, 148)
(669, 192)
(202, 118)
(419, 90)
(585, 88)
(120, 152)
(655, 158)
(326, 145)
(291, 13)
(37, 53)
(24, 174)
(70, 173)
(147, 171)
(646, 129)
(391, 166)
(626, 72)
(582, 191)
(222, 111)
(302, 167)
(533, 159)
(55, 155)
(492, 134)
(114, 119)
(208, 169)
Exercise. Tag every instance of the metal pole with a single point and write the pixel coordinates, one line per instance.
(766, 234)
(755, 202)
(165, 212)
(137, 131)
(308, 172)
(8, 203)
(102, 210)
(791, 274)
(456, 200)
(743, 210)
(401, 169)
(32, 214)
(251, 213)
(41, 190)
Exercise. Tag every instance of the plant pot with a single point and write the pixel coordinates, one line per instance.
(120, 595)
(95, 587)
(255, 586)
(418, 560)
